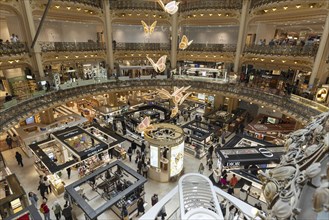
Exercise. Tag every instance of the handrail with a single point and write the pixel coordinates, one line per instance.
(71, 46)
(210, 4)
(298, 110)
(13, 48)
(257, 3)
(133, 4)
(94, 3)
(212, 47)
(142, 46)
(289, 50)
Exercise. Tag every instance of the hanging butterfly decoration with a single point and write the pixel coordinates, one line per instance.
(184, 43)
(145, 125)
(159, 66)
(148, 30)
(177, 97)
(170, 8)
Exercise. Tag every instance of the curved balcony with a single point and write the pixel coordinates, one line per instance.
(212, 47)
(192, 5)
(7, 49)
(300, 111)
(287, 50)
(142, 46)
(71, 46)
(134, 5)
(94, 3)
(257, 3)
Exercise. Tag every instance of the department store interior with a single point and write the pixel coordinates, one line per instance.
(160, 109)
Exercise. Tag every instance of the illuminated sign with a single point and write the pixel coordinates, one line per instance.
(265, 152)
(177, 159)
(154, 156)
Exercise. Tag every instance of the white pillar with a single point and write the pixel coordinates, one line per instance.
(108, 35)
(30, 34)
(320, 55)
(242, 34)
(174, 39)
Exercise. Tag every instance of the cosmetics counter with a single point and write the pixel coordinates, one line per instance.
(199, 137)
(166, 152)
(107, 113)
(116, 183)
(36, 132)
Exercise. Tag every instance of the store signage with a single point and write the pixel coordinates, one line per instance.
(265, 152)
(199, 129)
(176, 159)
(232, 164)
(154, 155)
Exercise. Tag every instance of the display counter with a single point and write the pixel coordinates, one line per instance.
(12, 196)
(166, 152)
(113, 197)
(199, 136)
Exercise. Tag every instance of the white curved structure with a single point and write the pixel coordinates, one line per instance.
(198, 199)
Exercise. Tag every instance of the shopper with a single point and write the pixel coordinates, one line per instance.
(42, 188)
(130, 153)
(9, 142)
(47, 183)
(211, 150)
(201, 168)
(45, 210)
(233, 181)
(223, 180)
(57, 210)
(33, 199)
(68, 170)
(67, 212)
(258, 206)
(139, 166)
(8, 97)
(145, 169)
(133, 146)
(124, 213)
(210, 163)
(154, 199)
(19, 158)
(230, 190)
(140, 206)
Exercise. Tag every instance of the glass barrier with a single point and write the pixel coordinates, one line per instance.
(309, 103)
(134, 4)
(94, 3)
(141, 46)
(212, 47)
(257, 3)
(210, 4)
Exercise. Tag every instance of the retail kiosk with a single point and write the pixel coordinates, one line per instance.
(115, 185)
(109, 137)
(198, 137)
(244, 156)
(166, 152)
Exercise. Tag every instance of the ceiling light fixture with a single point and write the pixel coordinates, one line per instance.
(283, 61)
(285, 7)
(265, 10)
(227, 15)
(16, 61)
(311, 6)
(219, 14)
(56, 57)
(210, 14)
(298, 6)
(146, 15)
(262, 59)
(76, 56)
(68, 8)
(262, 106)
(86, 10)
(295, 62)
(214, 56)
(57, 6)
(129, 14)
(91, 55)
(66, 56)
(138, 14)
(154, 15)
(201, 15)
(273, 9)
(194, 15)
(86, 56)
(78, 9)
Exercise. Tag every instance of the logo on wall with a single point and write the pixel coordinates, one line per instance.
(265, 152)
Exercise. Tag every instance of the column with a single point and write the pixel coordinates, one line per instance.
(108, 35)
(242, 34)
(30, 34)
(219, 101)
(47, 116)
(174, 39)
(233, 104)
(320, 54)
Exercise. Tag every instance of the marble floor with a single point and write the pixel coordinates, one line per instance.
(29, 179)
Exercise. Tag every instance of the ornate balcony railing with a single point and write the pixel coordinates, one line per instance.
(210, 4)
(134, 4)
(13, 48)
(307, 50)
(94, 3)
(212, 47)
(298, 110)
(257, 3)
(142, 46)
(71, 46)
